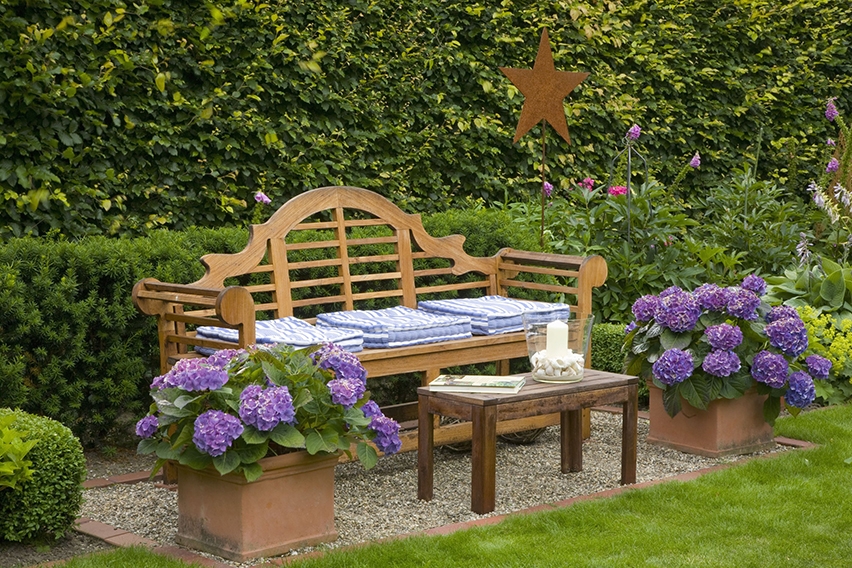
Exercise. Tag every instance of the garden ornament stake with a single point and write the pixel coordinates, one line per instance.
(629, 147)
(543, 88)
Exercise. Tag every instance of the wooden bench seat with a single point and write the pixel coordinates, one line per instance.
(346, 248)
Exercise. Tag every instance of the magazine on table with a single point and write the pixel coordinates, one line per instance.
(500, 384)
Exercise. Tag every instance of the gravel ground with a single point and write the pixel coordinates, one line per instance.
(383, 502)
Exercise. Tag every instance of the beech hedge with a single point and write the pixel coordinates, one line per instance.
(117, 117)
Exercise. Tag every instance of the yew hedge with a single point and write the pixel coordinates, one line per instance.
(118, 117)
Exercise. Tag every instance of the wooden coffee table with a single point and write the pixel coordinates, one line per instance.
(484, 410)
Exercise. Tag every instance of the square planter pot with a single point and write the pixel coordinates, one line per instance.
(727, 427)
(289, 506)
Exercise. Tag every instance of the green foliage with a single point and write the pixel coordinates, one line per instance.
(825, 287)
(831, 337)
(171, 113)
(597, 223)
(746, 225)
(833, 189)
(49, 502)
(14, 446)
(607, 341)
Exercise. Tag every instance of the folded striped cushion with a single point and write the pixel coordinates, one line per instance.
(398, 326)
(290, 331)
(491, 315)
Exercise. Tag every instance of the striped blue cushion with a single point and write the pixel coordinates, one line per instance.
(398, 326)
(491, 315)
(290, 331)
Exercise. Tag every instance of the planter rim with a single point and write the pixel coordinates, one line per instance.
(272, 466)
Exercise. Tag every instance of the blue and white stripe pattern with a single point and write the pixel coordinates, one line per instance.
(398, 326)
(290, 331)
(490, 315)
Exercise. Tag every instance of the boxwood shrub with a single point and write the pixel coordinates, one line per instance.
(48, 503)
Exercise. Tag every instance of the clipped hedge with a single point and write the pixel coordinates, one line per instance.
(48, 503)
(74, 348)
(172, 113)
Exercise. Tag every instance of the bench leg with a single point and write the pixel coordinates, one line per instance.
(629, 429)
(571, 440)
(484, 458)
(425, 458)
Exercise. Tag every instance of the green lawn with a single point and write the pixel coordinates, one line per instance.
(793, 509)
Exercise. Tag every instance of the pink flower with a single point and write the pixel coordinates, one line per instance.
(831, 110)
(547, 188)
(833, 166)
(587, 184)
(830, 142)
(261, 197)
(617, 190)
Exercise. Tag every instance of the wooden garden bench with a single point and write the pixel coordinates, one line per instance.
(345, 248)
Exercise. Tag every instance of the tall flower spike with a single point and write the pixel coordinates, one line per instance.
(634, 133)
(695, 161)
(833, 166)
(831, 110)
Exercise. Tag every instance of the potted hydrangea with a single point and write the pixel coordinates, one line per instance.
(256, 434)
(699, 349)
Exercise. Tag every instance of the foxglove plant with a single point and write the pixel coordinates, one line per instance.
(719, 342)
(833, 191)
(235, 407)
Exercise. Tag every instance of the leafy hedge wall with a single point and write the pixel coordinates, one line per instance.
(118, 117)
(74, 348)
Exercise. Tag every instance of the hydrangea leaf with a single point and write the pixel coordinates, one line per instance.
(694, 391)
(316, 442)
(672, 340)
(252, 435)
(147, 446)
(771, 409)
(251, 453)
(166, 452)
(227, 462)
(287, 436)
(252, 471)
(367, 455)
(303, 397)
(185, 399)
(355, 417)
(671, 401)
(194, 459)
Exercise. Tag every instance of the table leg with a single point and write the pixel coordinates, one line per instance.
(425, 446)
(629, 428)
(484, 458)
(571, 440)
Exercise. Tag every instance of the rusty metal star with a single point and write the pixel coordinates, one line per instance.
(543, 88)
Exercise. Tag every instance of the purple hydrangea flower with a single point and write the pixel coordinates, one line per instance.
(387, 434)
(222, 358)
(782, 312)
(645, 308)
(743, 304)
(712, 297)
(634, 132)
(754, 283)
(346, 392)
(261, 197)
(670, 291)
(266, 408)
(818, 366)
(146, 427)
(371, 409)
(770, 369)
(674, 366)
(801, 390)
(215, 431)
(789, 335)
(678, 311)
(833, 166)
(547, 188)
(630, 327)
(831, 110)
(193, 375)
(344, 364)
(724, 336)
(695, 161)
(721, 363)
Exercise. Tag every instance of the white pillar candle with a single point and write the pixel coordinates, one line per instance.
(557, 339)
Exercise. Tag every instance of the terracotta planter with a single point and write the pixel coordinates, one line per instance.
(289, 506)
(727, 427)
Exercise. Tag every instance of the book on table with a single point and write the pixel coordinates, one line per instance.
(501, 384)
